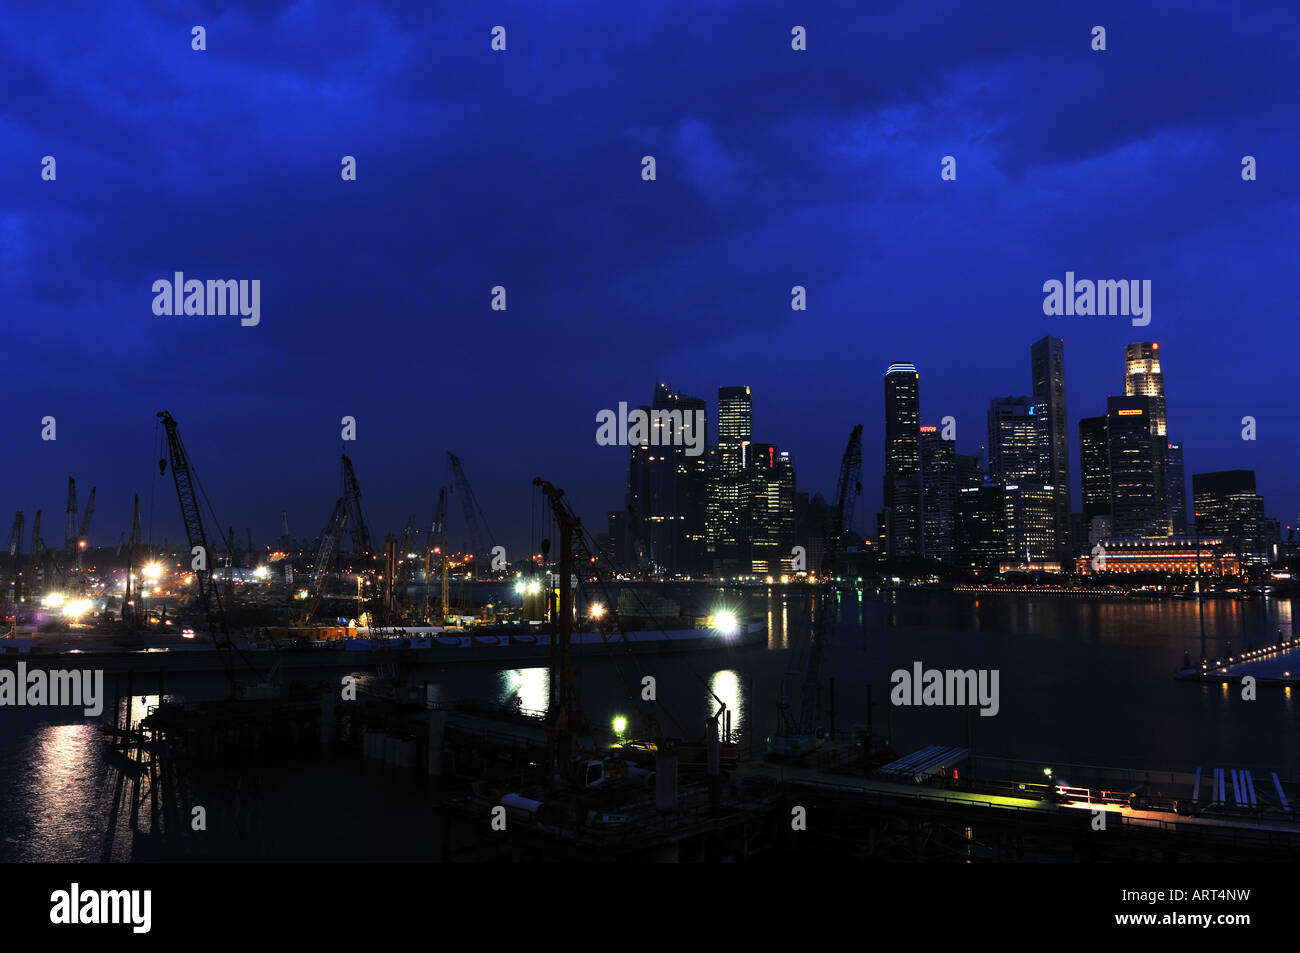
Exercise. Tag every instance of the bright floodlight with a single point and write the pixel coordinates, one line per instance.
(151, 571)
(261, 572)
(620, 725)
(519, 587)
(534, 587)
(597, 610)
(77, 608)
(725, 622)
(54, 600)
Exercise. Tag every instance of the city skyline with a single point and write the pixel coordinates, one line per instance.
(376, 293)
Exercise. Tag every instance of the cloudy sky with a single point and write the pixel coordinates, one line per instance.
(522, 168)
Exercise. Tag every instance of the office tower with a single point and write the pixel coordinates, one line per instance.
(1017, 442)
(770, 532)
(902, 489)
(1047, 357)
(969, 471)
(1176, 488)
(938, 494)
(1030, 525)
(668, 487)
(1143, 378)
(1094, 472)
(616, 523)
(735, 415)
(727, 491)
(1227, 506)
(1136, 458)
(979, 527)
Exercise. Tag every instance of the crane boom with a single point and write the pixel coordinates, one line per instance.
(70, 520)
(352, 499)
(470, 508)
(16, 554)
(209, 594)
(325, 553)
(84, 535)
(793, 738)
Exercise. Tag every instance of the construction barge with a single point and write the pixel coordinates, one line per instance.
(355, 649)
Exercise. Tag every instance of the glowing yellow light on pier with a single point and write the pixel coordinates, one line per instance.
(620, 725)
(53, 600)
(597, 611)
(151, 571)
(261, 572)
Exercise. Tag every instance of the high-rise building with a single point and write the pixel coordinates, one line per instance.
(727, 492)
(1047, 357)
(1017, 446)
(1228, 506)
(1030, 526)
(1094, 470)
(668, 487)
(979, 527)
(1143, 378)
(938, 494)
(735, 414)
(902, 485)
(1176, 488)
(616, 521)
(1136, 459)
(770, 533)
(969, 471)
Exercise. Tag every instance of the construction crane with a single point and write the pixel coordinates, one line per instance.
(361, 539)
(70, 520)
(330, 540)
(37, 551)
(470, 508)
(794, 738)
(564, 714)
(128, 608)
(187, 490)
(352, 499)
(16, 559)
(437, 530)
(83, 536)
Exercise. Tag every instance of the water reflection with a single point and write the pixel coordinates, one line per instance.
(726, 685)
(531, 685)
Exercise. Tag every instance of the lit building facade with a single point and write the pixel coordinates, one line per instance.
(902, 484)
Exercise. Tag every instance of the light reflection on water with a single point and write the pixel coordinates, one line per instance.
(1083, 681)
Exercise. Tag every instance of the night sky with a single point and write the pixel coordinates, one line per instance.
(523, 168)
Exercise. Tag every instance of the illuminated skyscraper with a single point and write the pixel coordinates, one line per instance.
(938, 493)
(1094, 467)
(1047, 357)
(1143, 378)
(1176, 488)
(727, 495)
(1136, 459)
(1228, 506)
(902, 483)
(1017, 440)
